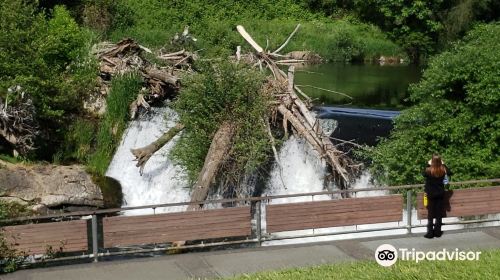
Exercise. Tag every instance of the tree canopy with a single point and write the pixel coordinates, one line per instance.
(455, 114)
(46, 56)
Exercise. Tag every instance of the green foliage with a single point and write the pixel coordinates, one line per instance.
(456, 114)
(154, 23)
(485, 268)
(78, 141)
(123, 91)
(10, 259)
(48, 57)
(415, 25)
(222, 92)
(420, 27)
(330, 7)
(9, 159)
(9, 210)
(103, 15)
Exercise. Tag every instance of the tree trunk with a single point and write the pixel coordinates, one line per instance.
(219, 148)
(162, 76)
(143, 154)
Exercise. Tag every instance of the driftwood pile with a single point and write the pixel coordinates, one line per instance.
(17, 122)
(127, 56)
(295, 111)
(290, 58)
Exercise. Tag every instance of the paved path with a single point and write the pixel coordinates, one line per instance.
(226, 263)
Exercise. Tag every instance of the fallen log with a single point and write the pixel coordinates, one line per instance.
(287, 40)
(126, 56)
(219, 148)
(160, 75)
(125, 46)
(142, 155)
(138, 102)
(172, 54)
(304, 55)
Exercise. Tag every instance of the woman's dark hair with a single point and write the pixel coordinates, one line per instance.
(437, 168)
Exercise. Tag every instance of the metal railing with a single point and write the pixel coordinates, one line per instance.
(256, 203)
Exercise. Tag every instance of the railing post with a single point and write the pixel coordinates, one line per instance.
(258, 212)
(95, 247)
(408, 211)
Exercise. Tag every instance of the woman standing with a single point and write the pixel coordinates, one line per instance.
(434, 189)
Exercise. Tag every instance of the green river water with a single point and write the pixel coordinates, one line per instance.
(370, 85)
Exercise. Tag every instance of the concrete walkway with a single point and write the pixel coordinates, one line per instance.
(227, 263)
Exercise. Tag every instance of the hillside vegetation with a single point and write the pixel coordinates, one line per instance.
(154, 23)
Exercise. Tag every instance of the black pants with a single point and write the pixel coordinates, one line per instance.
(435, 209)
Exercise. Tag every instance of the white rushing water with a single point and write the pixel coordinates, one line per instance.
(162, 181)
(301, 172)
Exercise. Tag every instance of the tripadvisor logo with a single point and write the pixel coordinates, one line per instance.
(387, 255)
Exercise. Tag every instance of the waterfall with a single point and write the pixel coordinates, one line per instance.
(301, 172)
(162, 181)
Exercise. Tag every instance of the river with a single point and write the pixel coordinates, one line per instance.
(370, 85)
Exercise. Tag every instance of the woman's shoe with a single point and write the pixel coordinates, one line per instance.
(429, 235)
(438, 233)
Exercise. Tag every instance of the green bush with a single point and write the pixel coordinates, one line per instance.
(78, 141)
(9, 210)
(223, 92)
(455, 114)
(47, 55)
(124, 89)
(10, 259)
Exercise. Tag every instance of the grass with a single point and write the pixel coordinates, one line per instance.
(78, 141)
(214, 25)
(231, 96)
(123, 91)
(10, 159)
(488, 267)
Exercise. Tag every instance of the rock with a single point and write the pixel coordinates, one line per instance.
(95, 102)
(383, 60)
(45, 187)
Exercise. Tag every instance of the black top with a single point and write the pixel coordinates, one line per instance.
(434, 186)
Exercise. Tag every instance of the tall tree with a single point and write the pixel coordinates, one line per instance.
(456, 114)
